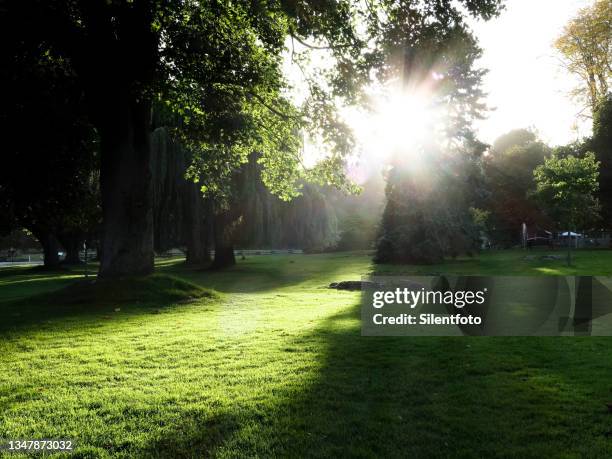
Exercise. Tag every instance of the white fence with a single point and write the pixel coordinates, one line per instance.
(237, 252)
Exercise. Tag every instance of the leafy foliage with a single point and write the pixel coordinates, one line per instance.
(508, 172)
(360, 41)
(217, 68)
(586, 49)
(50, 179)
(567, 187)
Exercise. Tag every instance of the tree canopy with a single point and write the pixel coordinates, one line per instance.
(508, 181)
(567, 188)
(217, 69)
(586, 50)
(50, 152)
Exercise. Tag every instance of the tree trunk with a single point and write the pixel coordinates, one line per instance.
(50, 248)
(72, 253)
(125, 182)
(224, 257)
(224, 248)
(98, 247)
(197, 250)
(196, 237)
(72, 244)
(197, 253)
(592, 90)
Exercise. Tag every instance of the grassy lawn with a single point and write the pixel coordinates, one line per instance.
(272, 364)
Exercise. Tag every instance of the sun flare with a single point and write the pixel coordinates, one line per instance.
(404, 120)
(399, 123)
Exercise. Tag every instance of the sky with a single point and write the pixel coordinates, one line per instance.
(526, 86)
(525, 82)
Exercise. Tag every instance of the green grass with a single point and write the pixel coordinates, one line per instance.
(273, 364)
(518, 262)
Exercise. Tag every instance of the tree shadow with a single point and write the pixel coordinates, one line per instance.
(412, 397)
(363, 401)
(403, 397)
(442, 396)
(199, 435)
(22, 282)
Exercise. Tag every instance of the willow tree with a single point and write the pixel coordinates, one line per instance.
(217, 64)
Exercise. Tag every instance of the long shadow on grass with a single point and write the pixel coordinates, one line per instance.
(440, 397)
(367, 399)
(411, 397)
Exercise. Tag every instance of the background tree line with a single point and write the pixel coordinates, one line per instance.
(83, 79)
(494, 189)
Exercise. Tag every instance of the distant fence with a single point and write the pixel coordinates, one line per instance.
(37, 258)
(20, 263)
(246, 252)
(29, 259)
(598, 239)
(237, 252)
(581, 240)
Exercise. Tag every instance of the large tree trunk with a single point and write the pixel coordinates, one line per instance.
(224, 257)
(196, 228)
(50, 246)
(197, 252)
(72, 248)
(224, 248)
(125, 182)
(72, 244)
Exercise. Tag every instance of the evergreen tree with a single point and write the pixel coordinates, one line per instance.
(432, 186)
(427, 215)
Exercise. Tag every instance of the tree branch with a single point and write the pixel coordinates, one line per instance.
(274, 110)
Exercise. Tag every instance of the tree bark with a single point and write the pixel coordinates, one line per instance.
(50, 246)
(72, 243)
(125, 183)
(72, 252)
(196, 238)
(224, 257)
(224, 248)
(115, 53)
